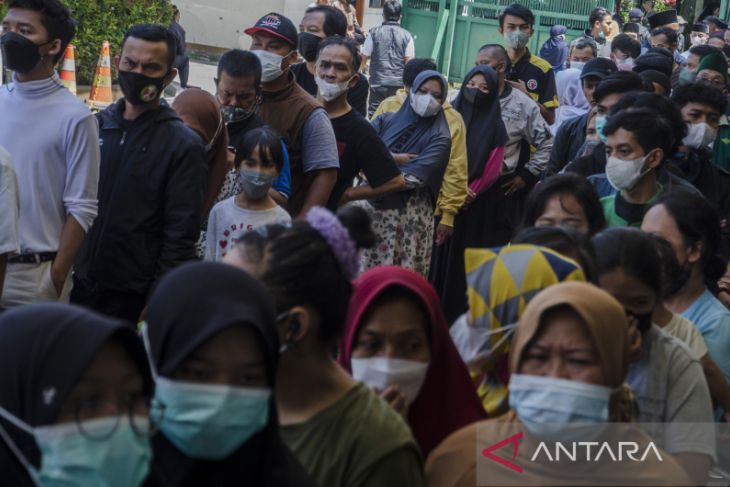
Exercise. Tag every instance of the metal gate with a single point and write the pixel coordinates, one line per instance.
(451, 31)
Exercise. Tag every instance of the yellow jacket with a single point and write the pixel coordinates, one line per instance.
(456, 178)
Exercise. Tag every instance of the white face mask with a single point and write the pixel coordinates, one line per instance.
(425, 105)
(270, 65)
(475, 344)
(381, 372)
(329, 91)
(577, 65)
(625, 64)
(698, 41)
(623, 175)
(699, 135)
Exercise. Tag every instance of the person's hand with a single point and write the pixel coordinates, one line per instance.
(401, 159)
(58, 279)
(518, 85)
(393, 396)
(470, 197)
(513, 185)
(634, 339)
(443, 233)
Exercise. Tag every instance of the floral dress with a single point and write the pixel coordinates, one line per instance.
(404, 236)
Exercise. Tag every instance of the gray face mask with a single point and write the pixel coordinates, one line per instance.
(255, 184)
(517, 39)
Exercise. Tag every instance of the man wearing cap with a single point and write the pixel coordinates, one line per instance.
(295, 114)
(572, 133)
(712, 71)
(698, 37)
(668, 18)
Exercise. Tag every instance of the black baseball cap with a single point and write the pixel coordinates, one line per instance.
(276, 25)
(599, 67)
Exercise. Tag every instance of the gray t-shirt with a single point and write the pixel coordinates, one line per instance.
(227, 221)
(670, 388)
(319, 146)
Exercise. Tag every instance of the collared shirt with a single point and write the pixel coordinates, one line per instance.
(538, 77)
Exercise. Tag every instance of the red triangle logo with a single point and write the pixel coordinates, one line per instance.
(514, 441)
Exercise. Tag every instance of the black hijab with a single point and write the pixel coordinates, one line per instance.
(44, 351)
(485, 129)
(191, 305)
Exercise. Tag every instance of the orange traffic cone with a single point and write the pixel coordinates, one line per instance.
(101, 88)
(68, 69)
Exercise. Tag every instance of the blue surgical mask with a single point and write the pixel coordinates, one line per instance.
(600, 123)
(210, 422)
(548, 406)
(70, 458)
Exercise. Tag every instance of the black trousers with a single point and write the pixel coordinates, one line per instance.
(182, 64)
(377, 95)
(117, 304)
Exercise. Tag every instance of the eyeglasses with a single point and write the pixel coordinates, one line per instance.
(144, 416)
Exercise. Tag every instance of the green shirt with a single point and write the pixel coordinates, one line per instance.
(356, 442)
(621, 213)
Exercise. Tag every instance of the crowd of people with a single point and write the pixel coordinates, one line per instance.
(547, 245)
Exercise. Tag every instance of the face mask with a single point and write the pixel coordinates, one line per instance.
(623, 175)
(236, 114)
(686, 77)
(69, 458)
(600, 123)
(548, 406)
(475, 96)
(20, 54)
(210, 421)
(139, 89)
(270, 65)
(577, 65)
(644, 321)
(330, 91)
(698, 41)
(626, 64)
(382, 372)
(255, 184)
(425, 105)
(699, 135)
(602, 35)
(308, 45)
(678, 280)
(517, 39)
(588, 147)
(475, 344)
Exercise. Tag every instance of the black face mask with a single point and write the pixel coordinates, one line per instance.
(475, 96)
(678, 279)
(644, 321)
(20, 54)
(308, 46)
(139, 89)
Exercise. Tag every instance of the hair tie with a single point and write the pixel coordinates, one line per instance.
(337, 238)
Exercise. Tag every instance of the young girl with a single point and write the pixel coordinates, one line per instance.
(258, 162)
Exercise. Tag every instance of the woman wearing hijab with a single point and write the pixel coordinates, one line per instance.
(486, 136)
(420, 140)
(500, 284)
(569, 358)
(75, 399)
(212, 341)
(554, 50)
(572, 101)
(397, 342)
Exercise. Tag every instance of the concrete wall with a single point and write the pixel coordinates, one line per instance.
(220, 23)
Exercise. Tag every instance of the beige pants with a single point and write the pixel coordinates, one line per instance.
(32, 283)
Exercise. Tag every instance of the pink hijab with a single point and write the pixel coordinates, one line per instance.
(447, 400)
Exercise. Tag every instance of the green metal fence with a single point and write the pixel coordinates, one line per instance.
(451, 31)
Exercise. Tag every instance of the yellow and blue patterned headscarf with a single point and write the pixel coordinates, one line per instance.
(500, 284)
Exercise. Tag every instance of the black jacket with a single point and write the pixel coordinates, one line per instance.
(568, 140)
(151, 183)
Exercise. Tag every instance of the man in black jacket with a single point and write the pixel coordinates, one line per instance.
(151, 184)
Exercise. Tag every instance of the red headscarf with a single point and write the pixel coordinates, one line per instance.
(447, 400)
